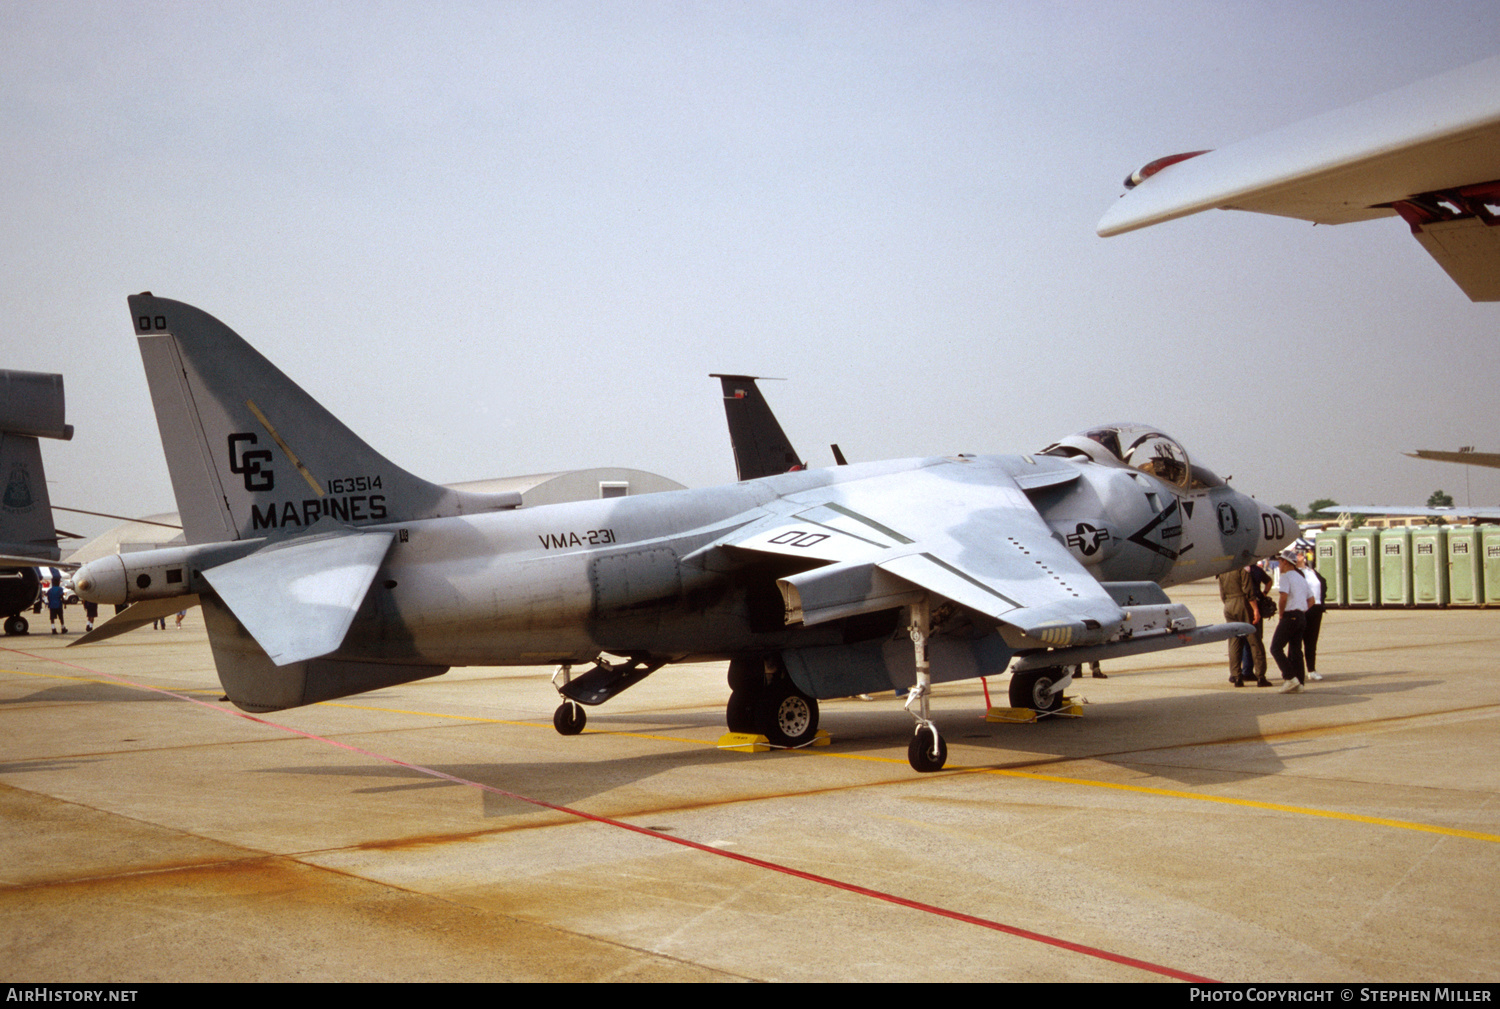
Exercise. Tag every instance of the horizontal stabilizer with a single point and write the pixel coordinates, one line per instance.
(32, 404)
(136, 615)
(297, 599)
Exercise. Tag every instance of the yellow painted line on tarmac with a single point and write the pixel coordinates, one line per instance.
(1247, 803)
(59, 676)
(1055, 779)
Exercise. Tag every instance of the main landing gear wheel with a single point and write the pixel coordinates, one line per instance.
(927, 750)
(1036, 689)
(16, 625)
(569, 718)
(786, 716)
(739, 713)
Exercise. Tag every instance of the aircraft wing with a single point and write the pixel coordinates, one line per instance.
(1490, 459)
(1455, 512)
(961, 530)
(1429, 151)
(25, 560)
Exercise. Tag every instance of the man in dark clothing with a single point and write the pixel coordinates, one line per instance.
(1237, 589)
(55, 603)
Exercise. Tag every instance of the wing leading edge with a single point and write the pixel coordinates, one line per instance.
(960, 529)
(1429, 152)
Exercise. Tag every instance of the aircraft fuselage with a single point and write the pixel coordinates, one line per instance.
(630, 576)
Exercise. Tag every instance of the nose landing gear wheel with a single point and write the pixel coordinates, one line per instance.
(569, 718)
(16, 625)
(927, 750)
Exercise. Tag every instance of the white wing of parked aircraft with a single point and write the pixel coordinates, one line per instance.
(1429, 152)
(1453, 512)
(1466, 457)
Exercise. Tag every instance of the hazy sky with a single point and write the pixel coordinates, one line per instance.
(507, 238)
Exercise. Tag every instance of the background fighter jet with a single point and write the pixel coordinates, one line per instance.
(1429, 152)
(31, 407)
(324, 570)
(761, 447)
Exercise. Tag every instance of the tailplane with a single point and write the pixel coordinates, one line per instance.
(250, 454)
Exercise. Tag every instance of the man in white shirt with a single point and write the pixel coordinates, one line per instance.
(1294, 600)
(1315, 587)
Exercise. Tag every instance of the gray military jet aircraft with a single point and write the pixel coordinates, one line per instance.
(324, 570)
(31, 407)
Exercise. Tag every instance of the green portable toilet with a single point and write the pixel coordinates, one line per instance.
(1489, 543)
(1465, 567)
(1362, 567)
(1395, 567)
(1328, 558)
(1429, 566)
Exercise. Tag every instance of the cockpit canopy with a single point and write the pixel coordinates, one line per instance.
(1136, 446)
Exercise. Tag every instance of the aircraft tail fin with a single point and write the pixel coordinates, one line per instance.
(761, 448)
(31, 407)
(251, 454)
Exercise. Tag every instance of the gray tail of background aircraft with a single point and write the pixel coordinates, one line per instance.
(324, 570)
(31, 407)
(761, 447)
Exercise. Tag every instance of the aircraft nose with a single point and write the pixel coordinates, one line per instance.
(1278, 528)
(101, 581)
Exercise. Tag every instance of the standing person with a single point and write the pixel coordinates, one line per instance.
(90, 614)
(1247, 655)
(1317, 587)
(55, 603)
(1292, 626)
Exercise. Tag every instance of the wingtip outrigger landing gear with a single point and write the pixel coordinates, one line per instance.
(569, 718)
(927, 751)
(596, 686)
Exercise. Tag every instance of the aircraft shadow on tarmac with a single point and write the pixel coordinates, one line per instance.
(90, 692)
(1216, 740)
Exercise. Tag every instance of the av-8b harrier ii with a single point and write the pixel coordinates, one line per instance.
(324, 570)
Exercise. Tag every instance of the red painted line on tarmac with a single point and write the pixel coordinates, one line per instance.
(760, 863)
